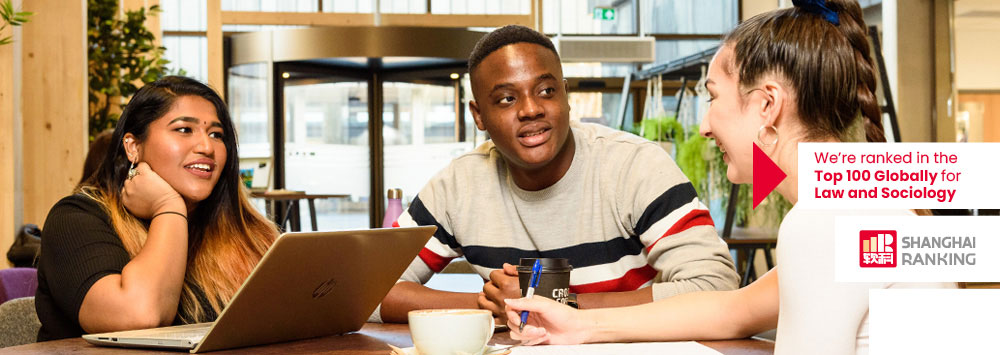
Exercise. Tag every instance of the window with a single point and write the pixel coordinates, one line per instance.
(183, 25)
(187, 53)
(689, 17)
(577, 17)
(683, 28)
(270, 5)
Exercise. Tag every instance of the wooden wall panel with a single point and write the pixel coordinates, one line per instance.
(54, 102)
(916, 91)
(751, 8)
(944, 77)
(989, 102)
(215, 69)
(7, 172)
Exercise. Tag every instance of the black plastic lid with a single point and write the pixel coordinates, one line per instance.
(548, 264)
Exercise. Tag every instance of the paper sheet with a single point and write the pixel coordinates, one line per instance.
(680, 347)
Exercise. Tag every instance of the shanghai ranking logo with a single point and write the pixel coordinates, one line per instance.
(878, 248)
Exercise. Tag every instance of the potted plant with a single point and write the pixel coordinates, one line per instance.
(701, 161)
(122, 56)
(664, 130)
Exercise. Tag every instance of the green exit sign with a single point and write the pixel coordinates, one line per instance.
(603, 13)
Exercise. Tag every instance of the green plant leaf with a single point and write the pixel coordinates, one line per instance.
(6, 9)
(121, 55)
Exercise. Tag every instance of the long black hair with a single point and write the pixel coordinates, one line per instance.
(226, 235)
(149, 104)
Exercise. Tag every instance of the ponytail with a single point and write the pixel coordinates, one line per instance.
(821, 48)
(852, 25)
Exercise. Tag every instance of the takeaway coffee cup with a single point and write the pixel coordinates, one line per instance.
(553, 282)
(450, 331)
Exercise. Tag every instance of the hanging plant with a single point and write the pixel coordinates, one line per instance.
(662, 129)
(701, 161)
(122, 56)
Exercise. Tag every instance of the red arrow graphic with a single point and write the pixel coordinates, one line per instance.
(766, 175)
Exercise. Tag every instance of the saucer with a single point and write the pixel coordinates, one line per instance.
(489, 350)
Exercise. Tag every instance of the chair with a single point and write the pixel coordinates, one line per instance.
(746, 242)
(18, 282)
(18, 322)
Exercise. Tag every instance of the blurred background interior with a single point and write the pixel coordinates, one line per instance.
(341, 100)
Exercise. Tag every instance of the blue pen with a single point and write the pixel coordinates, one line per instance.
(536, 273)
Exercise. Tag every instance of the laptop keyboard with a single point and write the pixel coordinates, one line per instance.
(192, 332)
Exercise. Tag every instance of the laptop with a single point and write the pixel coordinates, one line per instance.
(307, 285)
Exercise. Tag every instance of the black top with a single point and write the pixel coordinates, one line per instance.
(79, 247)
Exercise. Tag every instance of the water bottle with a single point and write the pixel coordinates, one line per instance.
(394, 208)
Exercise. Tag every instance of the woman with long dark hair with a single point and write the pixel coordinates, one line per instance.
(163, 233)
(802, 74)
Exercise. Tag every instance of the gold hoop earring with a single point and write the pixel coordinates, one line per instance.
(132, 172)
(762, 129)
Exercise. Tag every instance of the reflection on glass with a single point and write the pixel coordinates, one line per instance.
(269, 5)
(596, 70)
(248, 106)
(689, 17)
(326, 150)
(577, 17)
(476, 7)
(187, 53)
(668, 50)
(491, 7)
(419, 134)
(182, 15)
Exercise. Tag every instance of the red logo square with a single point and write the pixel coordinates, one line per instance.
(877, 248)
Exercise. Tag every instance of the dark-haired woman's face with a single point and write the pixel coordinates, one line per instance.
(185, 147)
(730, 119)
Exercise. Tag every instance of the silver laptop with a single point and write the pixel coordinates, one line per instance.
(307, 285)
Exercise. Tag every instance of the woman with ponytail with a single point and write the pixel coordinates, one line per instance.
(802, 74)
(163, 233)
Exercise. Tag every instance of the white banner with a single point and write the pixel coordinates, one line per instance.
(912, 321)
(917, 249)
(899, 175)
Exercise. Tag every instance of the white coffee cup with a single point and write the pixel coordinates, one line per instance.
(451, 331)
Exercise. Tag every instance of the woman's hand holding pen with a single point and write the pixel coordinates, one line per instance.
(549, 322)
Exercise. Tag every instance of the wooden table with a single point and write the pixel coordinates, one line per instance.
(291, 214)
(371, 339)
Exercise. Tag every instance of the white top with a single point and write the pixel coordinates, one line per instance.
(816, 314)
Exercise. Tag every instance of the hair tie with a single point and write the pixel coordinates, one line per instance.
(818, 7)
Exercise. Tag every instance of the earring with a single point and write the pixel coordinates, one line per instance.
(764, 128)
(132, 172)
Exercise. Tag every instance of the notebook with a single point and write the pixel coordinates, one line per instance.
(307, 285)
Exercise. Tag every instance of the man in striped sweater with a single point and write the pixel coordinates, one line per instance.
(615, 204)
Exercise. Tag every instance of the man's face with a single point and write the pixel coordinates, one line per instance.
(521, 100)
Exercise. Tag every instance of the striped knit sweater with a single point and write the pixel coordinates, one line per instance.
(624, 215)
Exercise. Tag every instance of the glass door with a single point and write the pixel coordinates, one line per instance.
(326, 148)
(422, 131)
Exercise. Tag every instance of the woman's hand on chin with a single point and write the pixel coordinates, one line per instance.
(147, 194)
